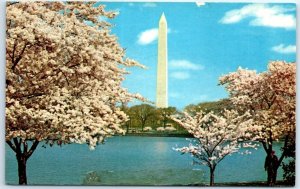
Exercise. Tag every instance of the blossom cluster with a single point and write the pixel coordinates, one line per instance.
(63, 76)
(216, 136)
(270, 96)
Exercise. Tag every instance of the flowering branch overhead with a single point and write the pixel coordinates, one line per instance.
(63, 75)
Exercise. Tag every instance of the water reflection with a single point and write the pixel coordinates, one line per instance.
(132, 161)
(161, 147)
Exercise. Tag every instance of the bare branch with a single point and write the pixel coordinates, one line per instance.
(25, 146)
(18, 147)
(284, 150)
(223, 157)
(10, 3)
(11, 145)
(33, 147)
(265, 146)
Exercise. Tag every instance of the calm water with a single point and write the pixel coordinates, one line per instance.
(132, 161)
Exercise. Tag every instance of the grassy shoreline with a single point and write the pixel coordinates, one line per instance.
(162, 134)
(184, 135)
(280, 183)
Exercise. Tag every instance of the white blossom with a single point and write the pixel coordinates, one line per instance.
(63, 76)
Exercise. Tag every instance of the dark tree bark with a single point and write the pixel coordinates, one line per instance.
(272, 175)
(143, 124)
(127, 128)
(20, 147)
(22, 169)
(165, 122)
(212, 176)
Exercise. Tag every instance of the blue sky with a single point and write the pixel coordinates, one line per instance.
(205, 41)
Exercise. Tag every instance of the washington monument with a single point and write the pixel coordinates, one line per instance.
(162, 65)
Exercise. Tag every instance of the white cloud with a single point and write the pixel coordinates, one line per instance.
(200, 3)
(148, 36)
(284, 49)
(149, 5)
(180, 75)
(262, 15)
(185, 64)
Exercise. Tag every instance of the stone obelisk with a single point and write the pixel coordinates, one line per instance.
(162, 65)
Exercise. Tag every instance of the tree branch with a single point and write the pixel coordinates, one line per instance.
(15, 62)
(10, 3)
(204, 158)
(18, 148)
(265, 146)
(218, 142)
(11, 145)
(284, 150)
(13, 53)
(32, 95)
(65, 78)
(270, 142)
(33, 147)
(25, 146)
(222, 157)
(207, 151)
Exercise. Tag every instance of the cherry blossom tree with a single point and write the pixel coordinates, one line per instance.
(271, 98)
(215, 136)
(63, 76)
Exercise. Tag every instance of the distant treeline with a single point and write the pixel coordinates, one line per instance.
(145, 115)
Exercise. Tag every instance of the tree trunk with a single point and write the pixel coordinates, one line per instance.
(212, 177)
(22, 169)
(22, 156)
(144, 124)
(127, 128)
(165, 122)
(272, 175)
(272, 171)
